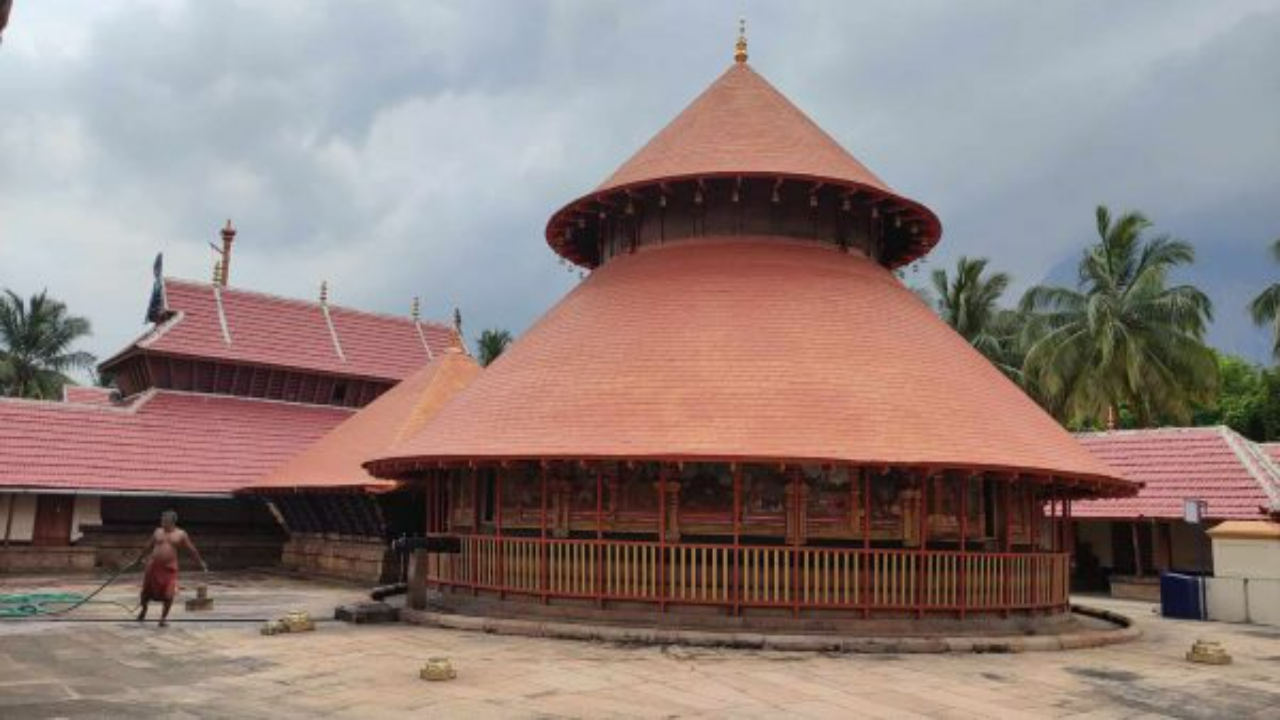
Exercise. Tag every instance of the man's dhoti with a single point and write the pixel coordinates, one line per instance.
(160, 581)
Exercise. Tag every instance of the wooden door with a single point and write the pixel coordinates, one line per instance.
(53, 520)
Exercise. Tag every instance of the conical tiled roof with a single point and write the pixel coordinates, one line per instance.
(335, 460)
(741, 126)
(760, 349)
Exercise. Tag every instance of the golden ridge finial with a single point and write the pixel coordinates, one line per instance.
(324, 292)
(416, 310)
(740, 48)
(217, 272)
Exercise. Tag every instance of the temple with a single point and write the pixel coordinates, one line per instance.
(741, 415)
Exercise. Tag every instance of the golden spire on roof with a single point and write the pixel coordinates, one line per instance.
(740, 48)
(324, 292)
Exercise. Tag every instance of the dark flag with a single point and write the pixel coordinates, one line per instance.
(5, 7)
(156, 307)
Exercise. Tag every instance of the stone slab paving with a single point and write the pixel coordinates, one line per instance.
(218, 666)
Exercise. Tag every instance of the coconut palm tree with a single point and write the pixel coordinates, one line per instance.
(36, 345)
(1265, 308)
(969, 303)
(491, 344)
(1123, 337)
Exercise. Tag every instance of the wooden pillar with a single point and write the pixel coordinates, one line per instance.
(1137, 549)
(599, 547)
(923, 555)
(737, 538)
(964, 543)
(475, 531)
(863, 585)
(1005, 565)
(497, 527)
(542, 535)
(662, 537)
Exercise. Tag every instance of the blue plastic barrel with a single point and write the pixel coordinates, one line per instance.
(1181, 596)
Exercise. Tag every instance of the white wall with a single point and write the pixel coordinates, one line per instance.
(87, 511)
(24, 516)
(1234, 599)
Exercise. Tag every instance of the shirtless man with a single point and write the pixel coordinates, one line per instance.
(161, 579)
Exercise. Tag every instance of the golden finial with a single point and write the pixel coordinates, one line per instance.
(417, 309)
(324, 292)
(217, 272)
(740, 48)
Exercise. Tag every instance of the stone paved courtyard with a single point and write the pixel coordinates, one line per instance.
(101, 666)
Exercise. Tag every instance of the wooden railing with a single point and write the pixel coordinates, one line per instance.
(934, 581)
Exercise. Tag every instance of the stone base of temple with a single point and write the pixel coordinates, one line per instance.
(29, 558)
(762, 620)
(362, 560)
(1084, 628)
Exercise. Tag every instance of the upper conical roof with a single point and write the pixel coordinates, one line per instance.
(742, 126)
(335, 460)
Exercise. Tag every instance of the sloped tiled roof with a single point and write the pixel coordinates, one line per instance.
(1215, 464)
(163, 442)
(336, 460)
(769, 349)
(82, 395)
(220, 323)
(742, 126)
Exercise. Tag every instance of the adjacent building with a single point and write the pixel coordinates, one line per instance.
(224, 386)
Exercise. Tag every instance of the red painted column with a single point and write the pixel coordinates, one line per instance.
(542, 536)
(497, 524)
(1008, 541)
(964, 543)
(923, 555)
(737, 539)
(866, 542)
(662, 537)
(599, 551)
(475, 531)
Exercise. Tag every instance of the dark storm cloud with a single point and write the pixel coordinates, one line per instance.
(416, 148)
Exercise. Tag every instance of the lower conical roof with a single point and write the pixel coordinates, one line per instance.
(336, 460)
(762, 349)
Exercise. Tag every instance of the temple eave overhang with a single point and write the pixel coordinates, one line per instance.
(910, 229)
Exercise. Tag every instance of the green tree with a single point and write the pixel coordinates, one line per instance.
(1123, 339)
(37, 339)
(1265, 308)
(969, 302)
(491, 344)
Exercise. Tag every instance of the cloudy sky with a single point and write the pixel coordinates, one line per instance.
(402, 148)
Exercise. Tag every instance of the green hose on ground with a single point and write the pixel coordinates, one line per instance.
(29, 605)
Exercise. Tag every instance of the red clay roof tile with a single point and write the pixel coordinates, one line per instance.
(1214, 464)
(163, 442)
(755, 349)
(265, 329)
(336, 459)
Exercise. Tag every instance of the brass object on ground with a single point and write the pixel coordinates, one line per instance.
(438, 669)
(1208, 652)
(201, 601)
(293, 622)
